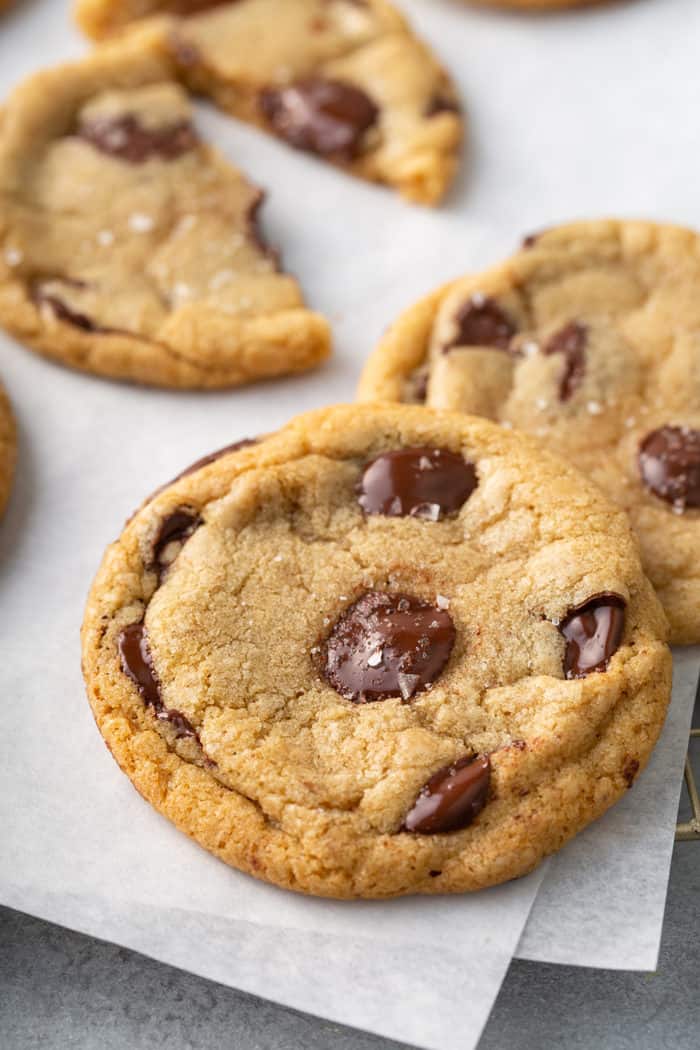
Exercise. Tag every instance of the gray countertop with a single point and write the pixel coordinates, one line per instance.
(61, 990)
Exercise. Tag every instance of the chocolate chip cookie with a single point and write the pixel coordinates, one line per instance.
(589, 338)
(8, 448)
(383, 651)
(131, 249)
(346, 80)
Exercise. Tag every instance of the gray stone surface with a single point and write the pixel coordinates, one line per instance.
(62, 991)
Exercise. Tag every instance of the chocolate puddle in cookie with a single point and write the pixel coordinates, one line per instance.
(416, 482)
(569, 341)
(452, 798)
(387, 645)
(669, 465)
(482, 322)
(134, 651)
(593, 632)
(327, 117)
(125, 138)
(137, 663)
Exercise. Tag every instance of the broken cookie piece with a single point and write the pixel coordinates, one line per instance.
(345, 80)
(130, 248)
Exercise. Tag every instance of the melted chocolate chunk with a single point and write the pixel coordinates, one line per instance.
(482, 322)
(593, 632)
(630, 770)
(255, 232)
(452, 798)
(570, 341)
(126, 138)
(328, 117)
(416, 482)
(174, 532)
(669, 465)
(387, 645)
(64, 313)
(137, 663)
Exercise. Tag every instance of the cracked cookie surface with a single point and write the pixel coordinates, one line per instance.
(350, 695)
(128, 247)
(589, 339)
(8, 448)
(346, 80)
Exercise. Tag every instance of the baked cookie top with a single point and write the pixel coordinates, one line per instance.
(130, 248)
(346, 80)
(8, 448)
(383, 651)
(589, 338)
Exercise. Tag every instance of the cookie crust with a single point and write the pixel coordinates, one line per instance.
(634, 286)
(144, 264)
(284, 778)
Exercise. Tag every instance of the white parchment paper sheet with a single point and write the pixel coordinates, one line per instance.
(573, 115)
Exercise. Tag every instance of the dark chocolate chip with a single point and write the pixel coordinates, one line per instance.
(387, 645)
(452, 798)
(328, 117)
(593, 632)
(570, 341)
(482, 322)
(174, 531)
(64, 313)
(126, 138)
(416, 482)
(531, 239)
(137, 663)
(255, 232)
(630, 770)
(669, 464)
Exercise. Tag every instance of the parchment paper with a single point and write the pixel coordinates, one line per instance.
(571, 115)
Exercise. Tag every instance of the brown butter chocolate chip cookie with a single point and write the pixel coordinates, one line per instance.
(344, 79)
(128, 247)
(8, 448)
(383, 651)
(589, 339)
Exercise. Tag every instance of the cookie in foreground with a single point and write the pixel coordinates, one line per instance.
(589, 339)
(128, 247)
(347, 81)
(383, 651)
